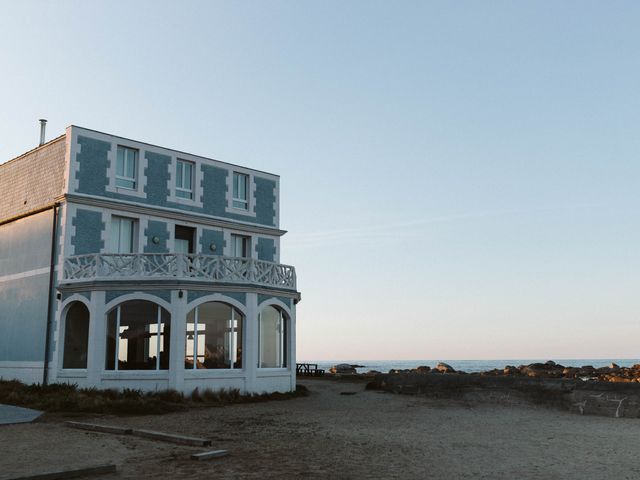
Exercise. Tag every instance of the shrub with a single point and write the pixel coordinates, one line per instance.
(62, 397)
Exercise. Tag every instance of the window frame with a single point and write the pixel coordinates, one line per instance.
(180, 190)
(284, 335)
(236, 199)
(117, 220)
(136, 162)
(65, 334)
(246, 245)
(158, 333)
(236, 325)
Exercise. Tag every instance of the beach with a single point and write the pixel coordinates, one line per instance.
(342, 430)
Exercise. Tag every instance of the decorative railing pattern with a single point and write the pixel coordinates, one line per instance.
(141, 266)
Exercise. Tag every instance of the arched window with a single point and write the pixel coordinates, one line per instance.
(214, 337)
(138, 336)
(273, 338)
(76, 336)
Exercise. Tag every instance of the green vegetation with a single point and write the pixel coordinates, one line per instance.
(62, 397)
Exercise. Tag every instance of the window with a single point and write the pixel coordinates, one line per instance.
(214, 337)
(240, 246)
(184, 179)
(183, 239)
(126, 168)
(123, 234)
(138, 335)
(273, 338)
(76, 336)
(240, 191)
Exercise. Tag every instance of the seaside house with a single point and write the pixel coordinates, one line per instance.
(128, 265)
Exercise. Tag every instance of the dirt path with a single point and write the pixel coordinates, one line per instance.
(329, 435)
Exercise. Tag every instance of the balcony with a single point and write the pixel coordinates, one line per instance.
(177, 266)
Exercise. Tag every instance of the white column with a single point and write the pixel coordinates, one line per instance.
(250, 357)
(292, 346)
(97, 338)
(177, 342)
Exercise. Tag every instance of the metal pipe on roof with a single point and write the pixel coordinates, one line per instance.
(43, 127)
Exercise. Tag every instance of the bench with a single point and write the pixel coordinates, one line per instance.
(309, 370)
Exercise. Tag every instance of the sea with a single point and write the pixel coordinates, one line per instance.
(469, 365)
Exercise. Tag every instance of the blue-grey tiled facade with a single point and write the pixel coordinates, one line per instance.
(77, 179)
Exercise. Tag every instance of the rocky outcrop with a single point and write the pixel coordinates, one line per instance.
(612, 373)
(592, 397)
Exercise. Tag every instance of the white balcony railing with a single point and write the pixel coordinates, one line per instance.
(143, 266)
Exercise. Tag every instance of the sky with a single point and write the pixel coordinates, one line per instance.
(459, 180)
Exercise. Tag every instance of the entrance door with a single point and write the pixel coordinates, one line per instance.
(184, 239)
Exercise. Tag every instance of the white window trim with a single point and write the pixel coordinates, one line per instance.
(172, 186)
(141, 179)
(136, 160)
(251, 192)
(136, 233)
(284, 353)
(241, 323)
(117, 346)
(227, 242)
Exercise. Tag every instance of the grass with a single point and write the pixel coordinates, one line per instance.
(66, 398)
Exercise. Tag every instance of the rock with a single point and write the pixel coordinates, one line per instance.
(570, 372)
(511, 370)
(343, 368)
(603, 370)
(445, 368)
(614, 366)
(372, 373)
(534, 370)
(537, 366)
(550, 363)
(423, 369)
(587, 370)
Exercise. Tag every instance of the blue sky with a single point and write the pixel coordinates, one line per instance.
(459, 179)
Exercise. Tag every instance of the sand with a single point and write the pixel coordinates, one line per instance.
(329, 435)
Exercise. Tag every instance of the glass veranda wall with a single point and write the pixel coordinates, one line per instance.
(138, 337)
(214, 337)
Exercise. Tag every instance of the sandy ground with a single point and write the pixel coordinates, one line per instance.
(329, 435)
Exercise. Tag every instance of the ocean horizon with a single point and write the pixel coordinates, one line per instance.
(469, 365)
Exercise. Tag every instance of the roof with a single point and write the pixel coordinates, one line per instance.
(33, 180)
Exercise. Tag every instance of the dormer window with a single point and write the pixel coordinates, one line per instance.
(240, 191)
(184, 179)
(126, 168)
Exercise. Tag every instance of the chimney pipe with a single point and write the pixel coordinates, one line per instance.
(43, 127)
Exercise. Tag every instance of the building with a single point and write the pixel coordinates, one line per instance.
(128, 265)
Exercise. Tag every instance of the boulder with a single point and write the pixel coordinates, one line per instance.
(511, 370)
(570, 372)
(534, 370)
(423, 369)
(444, 368)
(614, 366)
(343, 368)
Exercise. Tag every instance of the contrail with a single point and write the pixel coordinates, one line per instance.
(404, 229)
